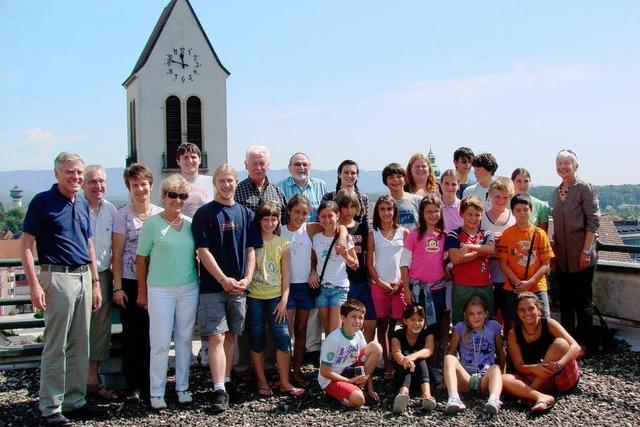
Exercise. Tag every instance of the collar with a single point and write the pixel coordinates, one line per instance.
(59, 195)
(345, 335)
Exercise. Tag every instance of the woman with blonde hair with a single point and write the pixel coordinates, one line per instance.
(421, 178)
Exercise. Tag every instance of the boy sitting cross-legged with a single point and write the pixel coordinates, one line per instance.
(344, 352)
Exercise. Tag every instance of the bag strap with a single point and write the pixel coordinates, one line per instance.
(326, 260)
(533, 239)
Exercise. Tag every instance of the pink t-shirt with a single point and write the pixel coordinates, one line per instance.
(427, 255)
(451, 215)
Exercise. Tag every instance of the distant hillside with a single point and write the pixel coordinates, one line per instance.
(33, 182)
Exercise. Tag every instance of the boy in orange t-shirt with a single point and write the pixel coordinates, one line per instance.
(514, 253)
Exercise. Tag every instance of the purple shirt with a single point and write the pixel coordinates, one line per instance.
(451, 216)
(478, 348)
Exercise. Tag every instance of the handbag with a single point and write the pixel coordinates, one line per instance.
(315, 292)
(566, 380)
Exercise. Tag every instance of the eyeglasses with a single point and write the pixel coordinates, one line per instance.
(300, 164)
(174, 195)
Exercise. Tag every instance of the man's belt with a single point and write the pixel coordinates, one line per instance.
(64, 268)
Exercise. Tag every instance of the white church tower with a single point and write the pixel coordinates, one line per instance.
(176, 93)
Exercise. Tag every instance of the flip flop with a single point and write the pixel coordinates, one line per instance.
(293, 392)
(543, 406)
(400, 403)
(299, 381)
(99, 390)
(265, 392)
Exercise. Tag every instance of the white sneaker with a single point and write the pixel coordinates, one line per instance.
(492, 406)
(400, 403)
(203, 357)
(454, 405)
(184, 396)
(157, 402)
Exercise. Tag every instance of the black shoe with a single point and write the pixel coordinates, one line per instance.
(86, 411)
(220, 401)
(233, 392)
(56, 419)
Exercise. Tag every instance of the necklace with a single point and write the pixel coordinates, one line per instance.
(531, 334)
(388, 234)
(562, 192)
(175, 223)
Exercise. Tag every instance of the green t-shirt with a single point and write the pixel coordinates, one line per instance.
(539, 212)
(172, 260)
(267, 277)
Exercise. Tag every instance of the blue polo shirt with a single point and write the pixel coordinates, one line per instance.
(62, 228)
(313, 190)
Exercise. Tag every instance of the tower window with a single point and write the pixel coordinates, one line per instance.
(194, 121)
(172, 111)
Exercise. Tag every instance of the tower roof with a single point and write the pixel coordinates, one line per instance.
(155, 34)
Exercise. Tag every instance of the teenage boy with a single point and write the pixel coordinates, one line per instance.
(393, 176)
(469, 250)
(462, 159)
(201, 191)
(484, 167)
(525, 268)
(226, 241)
(343, 353)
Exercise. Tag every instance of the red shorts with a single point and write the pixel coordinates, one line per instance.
(387, 305)
(341, 390)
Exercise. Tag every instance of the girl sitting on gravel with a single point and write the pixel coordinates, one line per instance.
(410, 348)
(479, 342)
(543, 354)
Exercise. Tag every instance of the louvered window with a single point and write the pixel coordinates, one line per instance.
(194, 121)
(172, 110)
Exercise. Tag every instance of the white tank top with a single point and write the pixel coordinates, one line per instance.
(299, 252)
(387, 255)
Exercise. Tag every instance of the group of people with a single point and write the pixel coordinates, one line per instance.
(226, 257)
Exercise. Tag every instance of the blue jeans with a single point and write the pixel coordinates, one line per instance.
(260, 311)
(331, 297)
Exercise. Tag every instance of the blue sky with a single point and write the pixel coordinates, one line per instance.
(370, 80)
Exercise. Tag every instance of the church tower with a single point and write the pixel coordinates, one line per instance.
(176, 93)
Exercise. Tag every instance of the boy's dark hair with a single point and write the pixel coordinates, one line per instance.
(188, 147)
(463, 152)
(352, 305)
(520, 199)
(377, 222)
(471, 201)
(487, 161)
(344, 198)
(392, 169)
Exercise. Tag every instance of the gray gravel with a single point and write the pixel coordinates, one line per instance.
(608, 394)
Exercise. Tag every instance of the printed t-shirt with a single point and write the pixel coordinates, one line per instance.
(201, 191)
(127, 223)
(427, 257)
(299, 253)
(478, 348)
(267, 277)
(228, 232)
(339, 351)
(497, 276)
(408, 208)
(514, 247)
(336, 271)
(359, 234)
(172, 256)
(475, 272)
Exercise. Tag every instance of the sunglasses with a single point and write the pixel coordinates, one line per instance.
(174, 195)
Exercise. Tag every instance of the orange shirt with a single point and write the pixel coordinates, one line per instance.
(514, 247)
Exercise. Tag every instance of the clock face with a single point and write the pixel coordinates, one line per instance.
(183, 64)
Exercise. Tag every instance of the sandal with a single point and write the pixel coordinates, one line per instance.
(293, 392)
(299, 381)
(543, 406)
(265, 392)
(99, 390)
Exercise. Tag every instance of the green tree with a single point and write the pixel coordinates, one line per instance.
(12, 220)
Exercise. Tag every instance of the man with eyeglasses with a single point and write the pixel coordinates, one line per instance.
(301, 182)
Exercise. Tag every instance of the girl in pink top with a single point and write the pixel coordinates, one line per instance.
(424, 276)
(449, 184)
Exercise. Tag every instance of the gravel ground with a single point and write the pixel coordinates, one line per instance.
(608, 394)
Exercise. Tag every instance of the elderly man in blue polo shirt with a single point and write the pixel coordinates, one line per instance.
(301, 182)
(58, 223)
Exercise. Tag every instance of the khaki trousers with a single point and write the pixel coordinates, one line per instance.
(100, 336)
(65, 358)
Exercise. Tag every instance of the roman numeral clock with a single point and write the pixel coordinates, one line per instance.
(183, 64)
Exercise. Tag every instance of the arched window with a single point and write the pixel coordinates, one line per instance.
(194, 121)
(172, 111)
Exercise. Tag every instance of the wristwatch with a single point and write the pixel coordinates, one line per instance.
(94, 280)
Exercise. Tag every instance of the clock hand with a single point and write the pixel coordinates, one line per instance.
(182, 59)
(176, 62)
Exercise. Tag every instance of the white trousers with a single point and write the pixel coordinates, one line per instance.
(171, 310)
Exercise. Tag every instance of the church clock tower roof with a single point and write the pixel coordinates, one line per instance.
(157, 30)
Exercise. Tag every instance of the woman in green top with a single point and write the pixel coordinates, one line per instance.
(166, 270)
